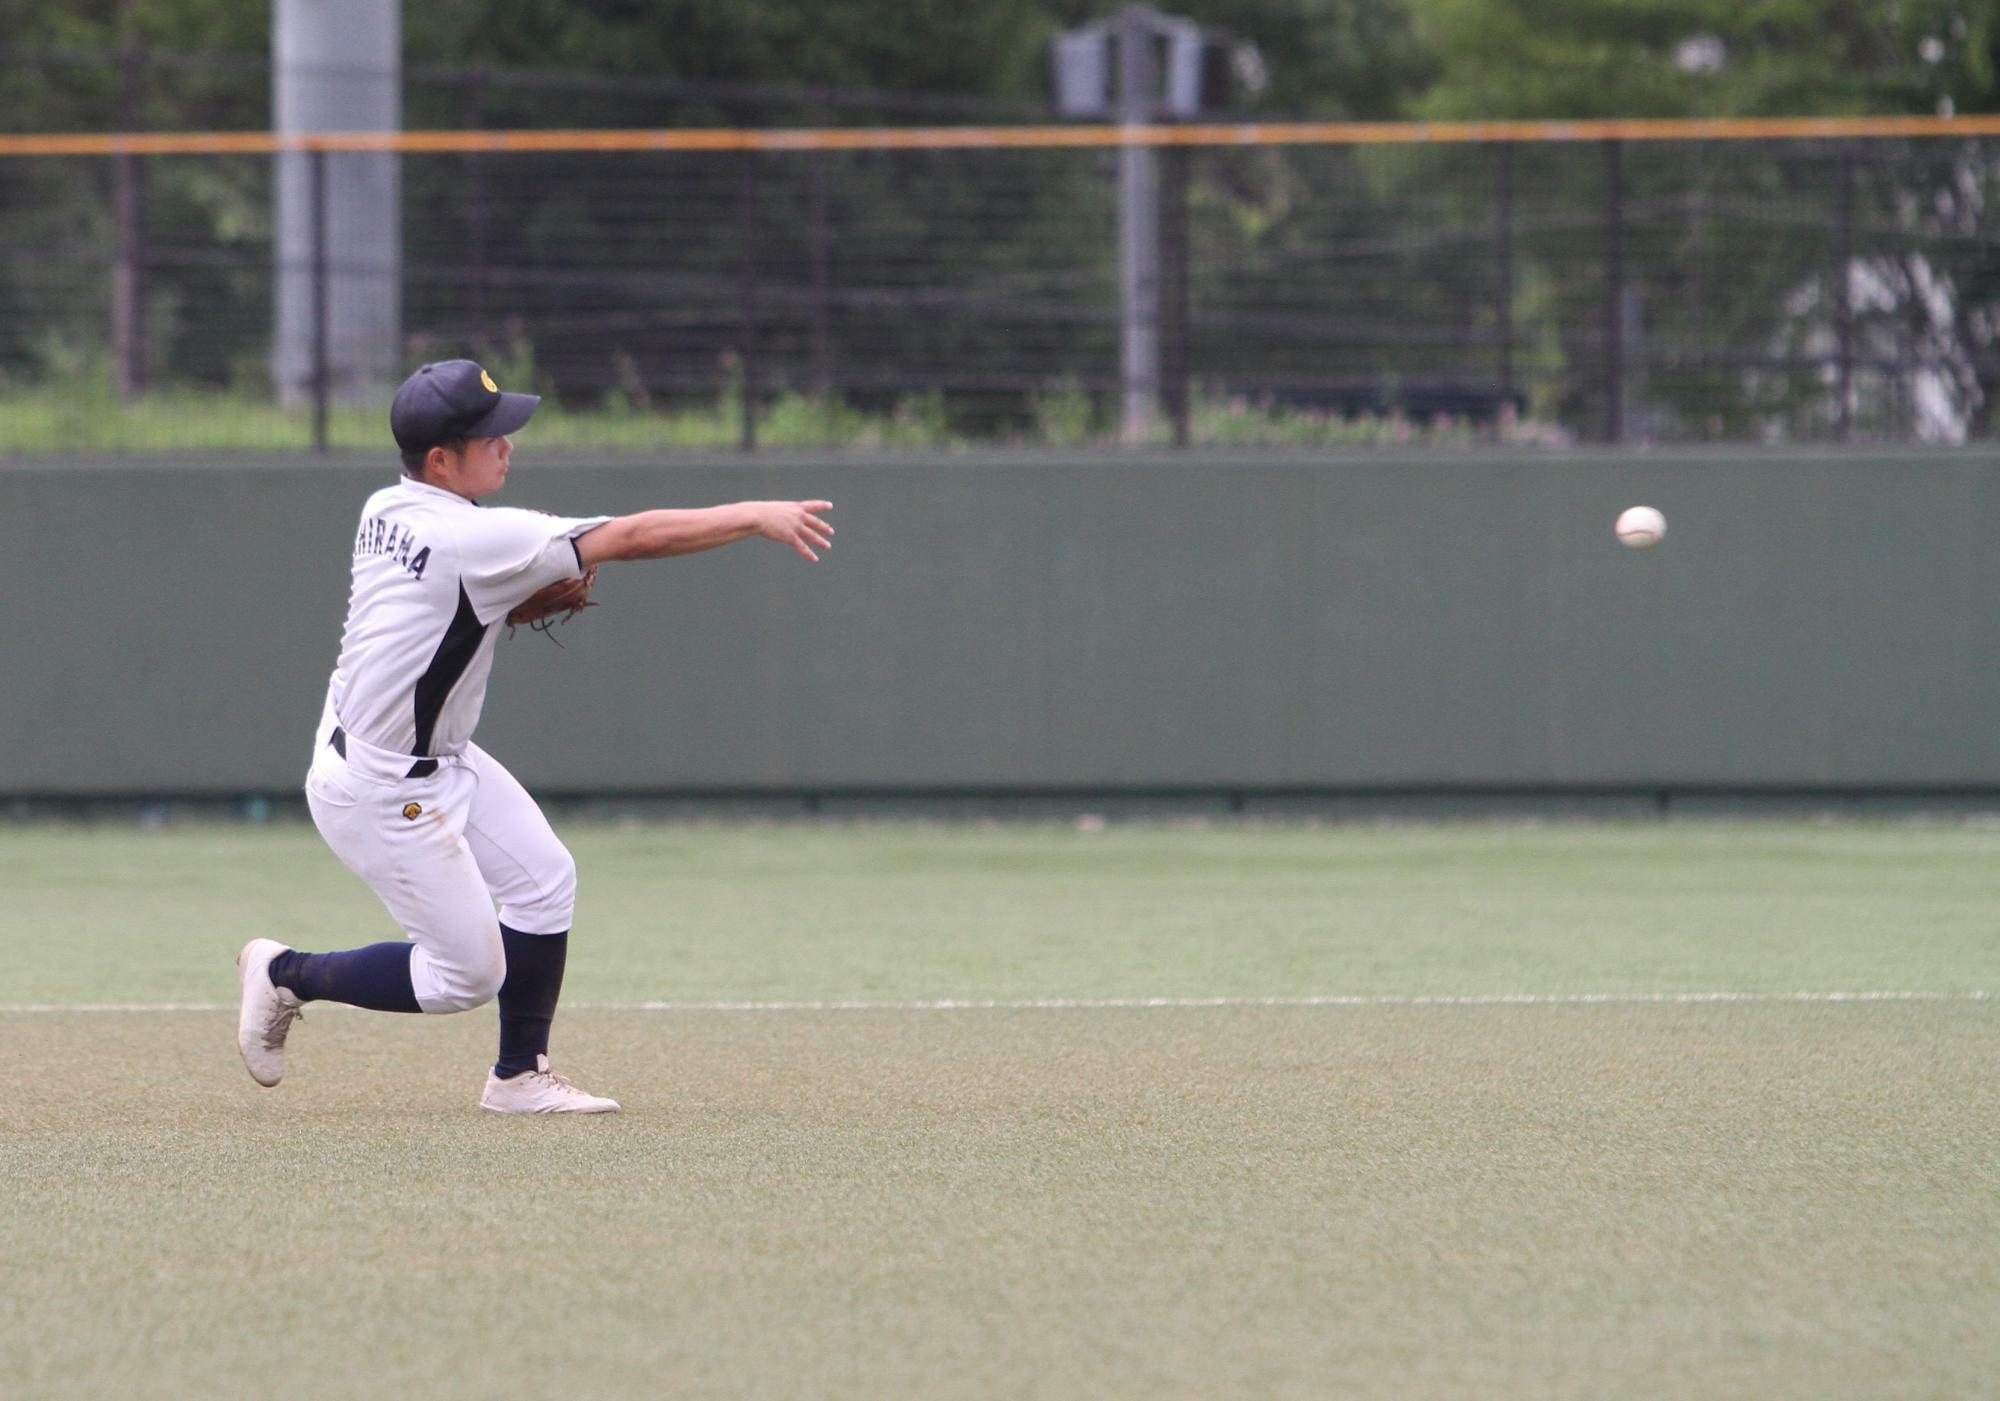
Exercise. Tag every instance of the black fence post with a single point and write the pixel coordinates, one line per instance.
(473, 116)
(822, 291)
(1174, 392)
(128, 284)
(1503, 265)
(321, 388)
(746, 295)
(1614, 291)
(1843, 294)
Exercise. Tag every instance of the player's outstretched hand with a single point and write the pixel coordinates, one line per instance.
(796, 523)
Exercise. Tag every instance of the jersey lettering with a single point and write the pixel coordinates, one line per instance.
(414, 661)
(387, 538)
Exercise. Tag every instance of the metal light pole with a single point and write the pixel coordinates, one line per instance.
(1141, 67)
(1138, 226)
(337, 67)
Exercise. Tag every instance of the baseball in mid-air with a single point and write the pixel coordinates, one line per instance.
(1640, 526)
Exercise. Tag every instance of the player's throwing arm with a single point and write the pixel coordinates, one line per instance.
(464, 860)
(663, 534)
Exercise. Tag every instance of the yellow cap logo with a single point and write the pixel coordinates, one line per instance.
(487, 380)
(413, 811)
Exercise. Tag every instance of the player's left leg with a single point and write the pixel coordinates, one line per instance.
(402, 837)
(533, 876)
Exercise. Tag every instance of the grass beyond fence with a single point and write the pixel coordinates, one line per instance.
(85, 418)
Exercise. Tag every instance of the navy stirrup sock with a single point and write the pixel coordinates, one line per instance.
(377, 977)
(528, 997)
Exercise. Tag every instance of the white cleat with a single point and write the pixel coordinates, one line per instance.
(267, 1014)
(541, 1091)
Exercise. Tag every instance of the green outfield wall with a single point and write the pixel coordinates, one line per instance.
(1811, 622)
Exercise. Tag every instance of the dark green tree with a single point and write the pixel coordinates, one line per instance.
(1759, 270)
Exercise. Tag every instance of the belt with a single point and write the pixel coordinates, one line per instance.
(423, 768)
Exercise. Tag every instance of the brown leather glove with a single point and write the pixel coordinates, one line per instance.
(557, 603)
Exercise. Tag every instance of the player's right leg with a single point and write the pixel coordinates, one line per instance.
(531, 874)
(404, 838)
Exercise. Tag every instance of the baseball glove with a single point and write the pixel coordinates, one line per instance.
(558, 603)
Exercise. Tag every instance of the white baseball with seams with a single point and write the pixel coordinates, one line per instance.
(1640, 526)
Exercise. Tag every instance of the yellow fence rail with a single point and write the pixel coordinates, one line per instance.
(1000, 137)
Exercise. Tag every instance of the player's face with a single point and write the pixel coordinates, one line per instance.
(478, 469)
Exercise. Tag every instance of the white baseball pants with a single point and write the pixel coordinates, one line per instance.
(440, 851)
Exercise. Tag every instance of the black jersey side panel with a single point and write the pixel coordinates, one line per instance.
(448, 663)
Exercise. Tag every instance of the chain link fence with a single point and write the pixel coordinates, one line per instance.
(1352, 291)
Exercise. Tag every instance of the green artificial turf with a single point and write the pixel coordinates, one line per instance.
(910, 911)
(1759, 1198)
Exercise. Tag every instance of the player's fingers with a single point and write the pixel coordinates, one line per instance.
(815, 537)
(817, 505)
(804, 549)
(817, 524)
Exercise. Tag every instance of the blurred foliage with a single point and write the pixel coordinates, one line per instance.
(1326, 58)
(1370, 268)
(1710, 58)
(994, 47)
(1330, 58)
(1924, 283)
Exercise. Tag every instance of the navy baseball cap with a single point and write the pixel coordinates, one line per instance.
(454, 399)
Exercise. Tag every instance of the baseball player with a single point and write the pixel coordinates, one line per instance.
(433, 823)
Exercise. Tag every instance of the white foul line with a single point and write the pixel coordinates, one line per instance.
(1109, 1004)
(1499, 999)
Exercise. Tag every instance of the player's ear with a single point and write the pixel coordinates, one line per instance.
(434, 460)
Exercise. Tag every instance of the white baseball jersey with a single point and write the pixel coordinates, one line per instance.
(433, 576)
